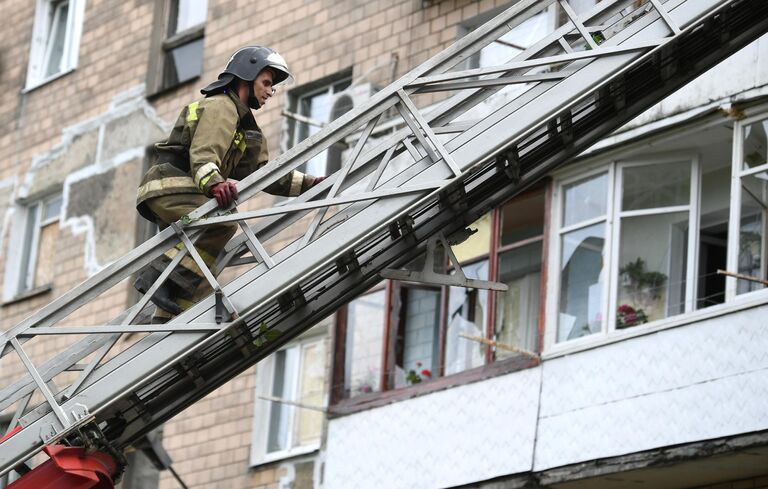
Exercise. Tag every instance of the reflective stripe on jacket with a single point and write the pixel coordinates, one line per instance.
(214, 138)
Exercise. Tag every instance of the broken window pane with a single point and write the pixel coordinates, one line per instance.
(517, 309)
(754, 196)
(581, 282)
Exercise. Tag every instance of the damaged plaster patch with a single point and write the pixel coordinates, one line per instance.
(97, 166)
(7, 186)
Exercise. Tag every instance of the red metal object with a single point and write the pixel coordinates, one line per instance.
(10, 433)
(70, 468)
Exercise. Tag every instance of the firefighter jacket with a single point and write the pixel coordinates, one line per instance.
(214, 138)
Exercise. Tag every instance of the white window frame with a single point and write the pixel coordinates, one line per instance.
(21, 271)
(612, 220)
(263, 407)
(41, 32)
(693, 206)
(734, 224)
(556, 231)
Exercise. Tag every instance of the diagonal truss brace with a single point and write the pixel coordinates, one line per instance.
(427, 274)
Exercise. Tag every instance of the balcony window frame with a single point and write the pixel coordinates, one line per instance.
(614, 169)
(738, 173)
(492, 366)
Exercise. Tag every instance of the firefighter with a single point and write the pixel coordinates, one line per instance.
(215, 139)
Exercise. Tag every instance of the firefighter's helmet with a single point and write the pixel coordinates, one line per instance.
(247, 63)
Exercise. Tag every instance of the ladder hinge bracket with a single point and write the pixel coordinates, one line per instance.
(402, 227)
(293, 298)
(454, 197)
(347, 262)
(508, 162)
(242, 337)
(188, 367)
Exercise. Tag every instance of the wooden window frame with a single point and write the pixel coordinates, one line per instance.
(339, 405)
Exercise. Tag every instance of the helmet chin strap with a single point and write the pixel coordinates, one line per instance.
(253, 102)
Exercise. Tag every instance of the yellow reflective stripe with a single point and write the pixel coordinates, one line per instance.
(239, 140)
(203, 174)
(187, 262)
(192, 111)
(164, 183)
(183, 303)
(208, 258)
(205, 180)
(297, 178)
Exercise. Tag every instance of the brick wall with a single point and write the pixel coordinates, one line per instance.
(211, 440)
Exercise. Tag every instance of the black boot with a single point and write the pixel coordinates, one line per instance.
(164, 296)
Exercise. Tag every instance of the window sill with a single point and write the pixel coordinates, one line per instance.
(280, 457)
(46, 81)
(43, 289)
(740, 303)
(378, 399)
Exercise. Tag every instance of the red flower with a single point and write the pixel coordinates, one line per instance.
(426, 373)
(626, 309)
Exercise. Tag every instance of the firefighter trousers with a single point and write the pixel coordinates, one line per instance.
(187, 277)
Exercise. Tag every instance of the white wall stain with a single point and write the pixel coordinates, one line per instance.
(9, 185)
(122, 105)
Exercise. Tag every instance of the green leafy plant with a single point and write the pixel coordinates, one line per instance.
(266, 335)
(414, 377)
(639, 279)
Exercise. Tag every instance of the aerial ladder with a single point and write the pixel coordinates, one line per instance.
(458, 141)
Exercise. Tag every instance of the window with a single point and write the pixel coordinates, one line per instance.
(750, 194)
(312, 110)
(177, 47)
(520, 253)
(35, 251)
(55, 41)
(290, 398)
(364, 339)
(411, 333)
(627, 242)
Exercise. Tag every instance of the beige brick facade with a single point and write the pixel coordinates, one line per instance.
(83, 134)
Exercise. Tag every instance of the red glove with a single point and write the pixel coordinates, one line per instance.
(225, 193)
(317, 181)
